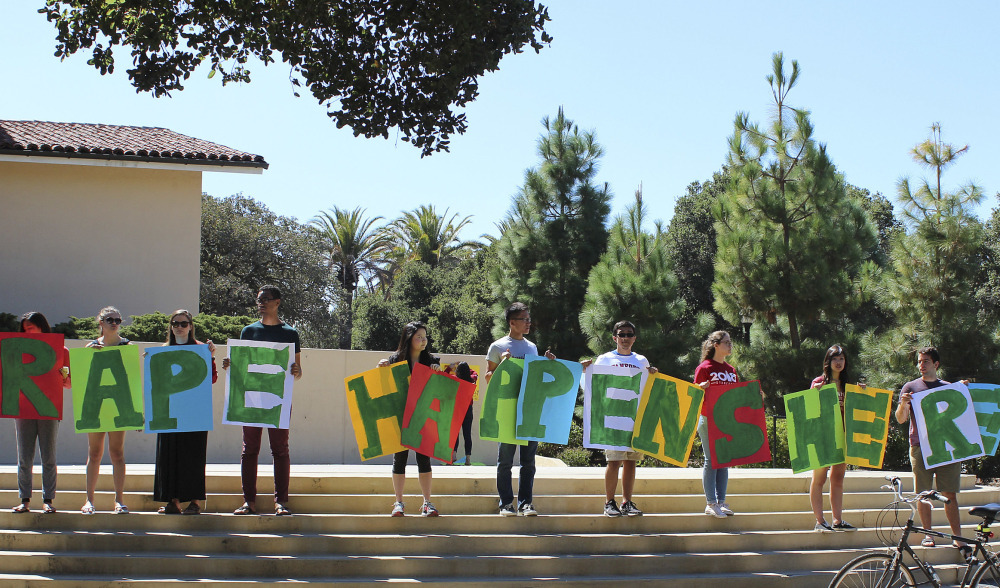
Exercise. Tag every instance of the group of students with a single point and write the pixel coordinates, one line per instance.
(180, 457)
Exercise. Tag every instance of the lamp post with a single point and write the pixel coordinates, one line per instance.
(746, 317)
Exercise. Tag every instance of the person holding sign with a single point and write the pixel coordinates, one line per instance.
(713, 370)
(273, 329)
(109, 320)
(42, 430)
(412, 349)
(948, 476)
(514, 345)
(834, 368)
(180, 457)
(624, 334)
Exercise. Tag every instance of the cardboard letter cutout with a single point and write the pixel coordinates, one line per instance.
(986, 402)
(736, 427)
(178, 388)
(548, 396)
(259, 386)
(499, 417)
(376, 400)
(946, 423)
(107, 389)
(31, 384)
(435, 408)
(610, 403)
(815, 428)
(866, 416)
(667, 420)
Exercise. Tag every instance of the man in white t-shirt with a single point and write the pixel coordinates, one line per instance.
(624, 334)
(516, 346)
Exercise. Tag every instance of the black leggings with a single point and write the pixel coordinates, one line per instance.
(399, 462)
(466, 432)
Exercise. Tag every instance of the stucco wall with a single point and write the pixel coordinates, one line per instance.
(321, 431)
(77, 238)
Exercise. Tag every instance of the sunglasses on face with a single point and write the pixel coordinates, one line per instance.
(181, 324)
(626, 335)
(265, 299)
(113, 321)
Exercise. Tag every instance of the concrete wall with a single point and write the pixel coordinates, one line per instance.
(321, 430)
(77, 238)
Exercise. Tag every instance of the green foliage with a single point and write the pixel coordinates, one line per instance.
(452, 301)
(78, 328)
(554, 234)
(245, 246)
(635, 281)
(424, 235)
(938, 266)
(9, 322)
(354, 251)
(375, 65)
(691, 233)
(790, 241)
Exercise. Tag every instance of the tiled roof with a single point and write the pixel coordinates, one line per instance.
(96, 141)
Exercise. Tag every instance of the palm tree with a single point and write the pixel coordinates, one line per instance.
(423, 235)
(355, 250)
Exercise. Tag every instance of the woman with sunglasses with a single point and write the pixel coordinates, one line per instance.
(109, 320)
(41, 430)
(180, 457)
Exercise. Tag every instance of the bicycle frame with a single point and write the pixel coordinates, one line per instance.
(982, 538)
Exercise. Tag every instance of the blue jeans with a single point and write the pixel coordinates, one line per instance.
(713, 480)
(28, 431)
(526, 479)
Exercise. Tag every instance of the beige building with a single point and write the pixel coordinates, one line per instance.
(92, 215)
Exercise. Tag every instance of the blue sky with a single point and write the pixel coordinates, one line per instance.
(659, 82)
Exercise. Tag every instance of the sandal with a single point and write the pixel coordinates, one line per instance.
(120, 508)
(246, 509)
(23, 507)
(192, 509)
(88, 508)
(967, 553)
(170, 508)
(47, 508)
(927, 542)
(280, 510)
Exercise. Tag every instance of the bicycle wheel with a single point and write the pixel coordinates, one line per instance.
(872, 571)
(986, 575)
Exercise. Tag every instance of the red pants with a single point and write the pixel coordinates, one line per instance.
(278, 440)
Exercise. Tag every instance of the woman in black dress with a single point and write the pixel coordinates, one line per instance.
(180, 457)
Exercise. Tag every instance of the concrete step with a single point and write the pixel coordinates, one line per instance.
(316, 503)
(471, 480)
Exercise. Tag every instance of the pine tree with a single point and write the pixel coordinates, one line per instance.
(635, 281)
(555, 232)
(789, 239)
(938, 264)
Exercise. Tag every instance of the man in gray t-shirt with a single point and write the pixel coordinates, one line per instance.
(514, 345)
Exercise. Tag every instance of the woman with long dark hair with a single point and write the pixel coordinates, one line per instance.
(834, 371)
(41, 430)
(180, 457)
(413, 350)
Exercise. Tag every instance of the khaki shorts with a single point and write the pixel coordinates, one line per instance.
(949, 477)
(612, 455)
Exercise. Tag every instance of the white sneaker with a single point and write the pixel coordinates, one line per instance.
(397, 509)
(527, 510)
(724, 507)
(712, 509)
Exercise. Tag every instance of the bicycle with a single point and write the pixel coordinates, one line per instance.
(889, 570)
